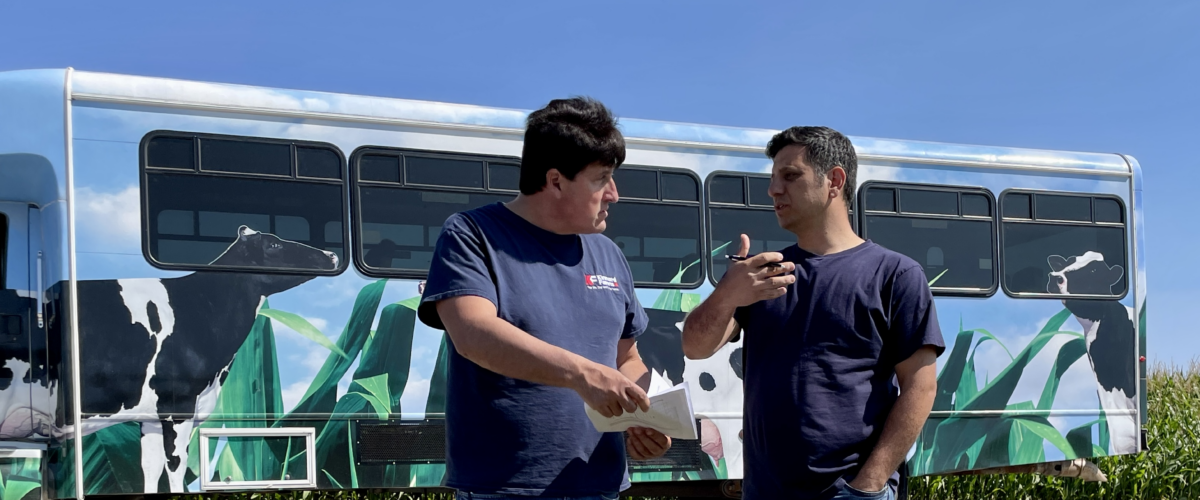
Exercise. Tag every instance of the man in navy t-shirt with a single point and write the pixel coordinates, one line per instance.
(831, 325)
(542, 315)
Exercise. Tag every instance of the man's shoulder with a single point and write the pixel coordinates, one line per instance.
(893, 263)
(472, 219)
(603, 244)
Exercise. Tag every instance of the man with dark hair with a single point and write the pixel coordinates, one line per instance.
(828, 329)
(542, 315)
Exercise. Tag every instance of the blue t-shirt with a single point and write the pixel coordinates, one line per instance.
(820, 367)
(511, 436)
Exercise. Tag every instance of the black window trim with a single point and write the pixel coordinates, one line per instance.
(699, 204)
(708, 206)
(997, 274)
(144, 196)
(355, 225)
(1051, 222)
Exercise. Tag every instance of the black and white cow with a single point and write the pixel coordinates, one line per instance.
(715, 383)
(157, 350)
(1110, 336)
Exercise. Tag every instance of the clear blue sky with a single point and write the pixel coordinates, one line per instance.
(1111, 77)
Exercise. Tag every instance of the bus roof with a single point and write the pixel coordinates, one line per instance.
(328, 106)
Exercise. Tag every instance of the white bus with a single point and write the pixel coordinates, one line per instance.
(216, 284)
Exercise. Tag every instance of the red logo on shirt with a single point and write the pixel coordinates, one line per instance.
(598, 282)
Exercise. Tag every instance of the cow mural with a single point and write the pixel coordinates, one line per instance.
(1110, 336)
(157, 350)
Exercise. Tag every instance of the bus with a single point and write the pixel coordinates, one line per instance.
(211, 287)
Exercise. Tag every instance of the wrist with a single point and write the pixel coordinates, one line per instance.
(579, 374)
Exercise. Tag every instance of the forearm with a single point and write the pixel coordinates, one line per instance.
(900, 431)
(708, 327)
(635, 369)
(498, 346)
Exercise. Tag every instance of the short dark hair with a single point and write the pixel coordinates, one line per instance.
(568, 135)
(824, 148)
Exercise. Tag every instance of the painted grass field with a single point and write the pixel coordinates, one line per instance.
(1170, 470)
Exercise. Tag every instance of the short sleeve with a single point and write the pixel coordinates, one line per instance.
(459, 268)
(914, 322)
(635, 317)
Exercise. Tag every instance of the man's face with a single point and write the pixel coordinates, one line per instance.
(585, 200)
(801, 196)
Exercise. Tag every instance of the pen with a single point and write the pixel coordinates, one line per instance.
(738, 258)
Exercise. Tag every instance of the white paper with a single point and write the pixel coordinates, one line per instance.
(670, 413)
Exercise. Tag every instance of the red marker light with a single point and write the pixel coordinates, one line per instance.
(1142, 359)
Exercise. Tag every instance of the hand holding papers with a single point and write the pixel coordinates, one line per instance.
(670, 413)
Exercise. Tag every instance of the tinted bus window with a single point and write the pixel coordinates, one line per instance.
(244, 208)
(658, 230)
(402, 199)
(739, 204)
(1061, 244)
(949, 231)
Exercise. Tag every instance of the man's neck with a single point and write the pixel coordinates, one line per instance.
(831, 235)
(537, 212)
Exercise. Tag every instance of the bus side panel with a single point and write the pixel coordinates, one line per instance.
(1021, 381)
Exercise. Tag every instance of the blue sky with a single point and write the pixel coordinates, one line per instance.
(1088, 76)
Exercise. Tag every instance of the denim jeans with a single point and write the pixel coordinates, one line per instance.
(845, 492)
(464, 495)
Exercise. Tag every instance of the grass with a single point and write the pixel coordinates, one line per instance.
(1170, 470)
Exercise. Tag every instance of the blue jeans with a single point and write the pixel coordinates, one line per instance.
(465, 495)
(845, 492)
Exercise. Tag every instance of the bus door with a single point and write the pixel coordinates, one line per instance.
(19, 318)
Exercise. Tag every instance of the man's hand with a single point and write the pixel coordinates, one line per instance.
(643, 443)
(610, 392)
(755, 279)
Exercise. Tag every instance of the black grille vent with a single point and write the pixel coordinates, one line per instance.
(401, 442)
(684, 455)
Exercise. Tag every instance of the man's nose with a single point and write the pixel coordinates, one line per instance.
(775, 187)
(611, 195)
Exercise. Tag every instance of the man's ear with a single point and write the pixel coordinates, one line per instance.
(554, 180)
(837, 181)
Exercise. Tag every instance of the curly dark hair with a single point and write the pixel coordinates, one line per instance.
(824, 148)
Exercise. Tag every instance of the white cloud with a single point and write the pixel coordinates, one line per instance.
(416, 393)
(110, 219)
(293, 393)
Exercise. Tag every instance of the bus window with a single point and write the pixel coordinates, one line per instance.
(949, 231)
(402, 199)
(738, 203)
(1047, 236)
(239, 203)
(657, 225)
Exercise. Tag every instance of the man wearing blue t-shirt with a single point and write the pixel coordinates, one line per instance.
(830, 329)
(542, 315)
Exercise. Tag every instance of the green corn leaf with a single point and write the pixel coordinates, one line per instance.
(948, 380)
(669, 300)
(16, 488)
(1068, 354)
(332, 446)
(411, 302)
(111, 459)
(1042, 427)
(350, 457)
(717, 251)
(1104, 437)
(939, 276)
(320, 398)
(988, 335)
(1080, 439)
(1024, 445)
(335, 482)
(389, 354)
(228, 466)
(1056, 322)
(303, 327)
(689, 301)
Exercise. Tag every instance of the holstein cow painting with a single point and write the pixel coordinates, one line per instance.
(714, 382)
(156, 351)
(1109, 333)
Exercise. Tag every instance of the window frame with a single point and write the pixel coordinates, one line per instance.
(356, 220)
(708, 205)
(699, 204)
(1124, 226)
(997, 274)
(144, 170)
(4, 239)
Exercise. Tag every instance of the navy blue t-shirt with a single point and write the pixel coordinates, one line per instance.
(820, 366)
(511, 436)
